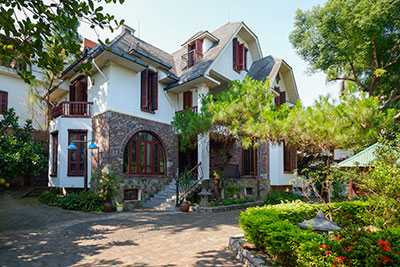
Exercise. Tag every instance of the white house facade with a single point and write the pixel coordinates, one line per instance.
(127, 104)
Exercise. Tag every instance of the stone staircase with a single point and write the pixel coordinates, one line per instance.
(163, 200)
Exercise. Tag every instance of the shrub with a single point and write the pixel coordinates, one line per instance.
(274, 198)
(231, 201)
(73, 201)
(352, 247)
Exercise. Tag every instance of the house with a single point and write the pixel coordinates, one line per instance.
(127, 104)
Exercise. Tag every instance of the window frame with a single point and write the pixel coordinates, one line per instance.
(253, 156)
(289, 159)
(77, 162)
(3, 101)
(54, 153)
(149, 90)
(138, 141)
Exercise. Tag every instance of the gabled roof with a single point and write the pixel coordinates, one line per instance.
(265, 67)
(200, 34)
(224, 34)
(363, 159)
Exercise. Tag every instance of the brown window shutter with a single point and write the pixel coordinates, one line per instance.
(3, 101)
(282, 96)
(72, 92)
(293, 158)
(187, 99)
(144, 89)
(235, 53)
(241, 57)
(286, 158)
(277, 101)
(154, 93)
(245, 58)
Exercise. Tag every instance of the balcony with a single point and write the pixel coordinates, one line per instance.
(191, 58)
(76, 109)
(194, 109)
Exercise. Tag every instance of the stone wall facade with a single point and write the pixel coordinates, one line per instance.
(112, 131)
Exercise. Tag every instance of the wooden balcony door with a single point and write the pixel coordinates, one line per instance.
(78, 93)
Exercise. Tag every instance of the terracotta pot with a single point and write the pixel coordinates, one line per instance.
(108, 207)
(184, 207)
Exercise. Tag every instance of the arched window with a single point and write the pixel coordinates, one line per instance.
(144, 154)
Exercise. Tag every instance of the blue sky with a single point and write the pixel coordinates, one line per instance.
(168, 24)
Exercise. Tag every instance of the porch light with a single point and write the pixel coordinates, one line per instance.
(72, 146)
(92, 145)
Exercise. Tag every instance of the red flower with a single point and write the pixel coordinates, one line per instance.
(340, 259)
(327, 252)
(337, 239)
(348, 215)
(388, 238)
(384, 258)
(350, 249)
(368, 230)
(386, 248)
(394, 251)
(313, 248)
(323, 246)
(383, 243)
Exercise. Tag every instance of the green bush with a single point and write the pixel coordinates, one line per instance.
(73, 201)
(274, 198)
(231, 201)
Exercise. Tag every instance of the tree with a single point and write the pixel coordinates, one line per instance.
(29, 28)
(19, 153)
(247, 112)
(353, 40)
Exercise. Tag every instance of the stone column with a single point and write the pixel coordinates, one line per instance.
(203, 144)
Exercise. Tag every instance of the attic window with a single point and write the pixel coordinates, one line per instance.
(278, 78)
(194, 54)
(239, 55)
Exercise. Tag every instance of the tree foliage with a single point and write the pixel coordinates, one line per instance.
(19, 153)
(353, 40)
(28, 28)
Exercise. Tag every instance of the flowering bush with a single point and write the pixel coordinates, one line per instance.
(352, 247)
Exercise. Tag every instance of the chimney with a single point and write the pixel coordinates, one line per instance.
(88, 44)
(127, 29)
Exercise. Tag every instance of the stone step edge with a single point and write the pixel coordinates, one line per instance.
(249, 258)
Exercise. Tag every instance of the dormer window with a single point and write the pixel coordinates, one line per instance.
(239, 55)
(195, 52)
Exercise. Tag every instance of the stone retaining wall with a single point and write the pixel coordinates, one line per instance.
(229, 207)
(248, 257)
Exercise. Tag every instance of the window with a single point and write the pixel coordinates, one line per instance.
(54, 152)
(239, 55)
(131, 194)
(249, 161)
(149, 90)
(3, 101)
(76, 158)
(248, 191)
(195, 52)
(187, 99)
(289, 158)
(144, 154)
(281, 99)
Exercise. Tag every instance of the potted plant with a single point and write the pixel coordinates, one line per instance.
(106, 186)
(185, 182)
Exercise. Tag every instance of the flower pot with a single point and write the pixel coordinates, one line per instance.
(120, 207)
(184, 207)
(108, 207)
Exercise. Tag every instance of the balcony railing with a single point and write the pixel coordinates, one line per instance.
(72, 109)
(194, 109)
(191, 58)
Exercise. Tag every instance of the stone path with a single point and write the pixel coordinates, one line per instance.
(32, 234)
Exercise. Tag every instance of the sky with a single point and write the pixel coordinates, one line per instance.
(168, 24)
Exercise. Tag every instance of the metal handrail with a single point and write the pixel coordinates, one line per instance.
(181, 196)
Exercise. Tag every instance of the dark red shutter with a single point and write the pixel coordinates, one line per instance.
(154, 91)
(3, 101)
(245, 58)
(293, 158)
(277, 101)
(241, 57)
(187, 99)
(282, 96)
(286, 158)
(235, 53)
(199, 49)
(144, 89)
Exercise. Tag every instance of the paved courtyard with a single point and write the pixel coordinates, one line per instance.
(32, 234)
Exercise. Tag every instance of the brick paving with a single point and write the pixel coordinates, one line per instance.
(32, 234)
